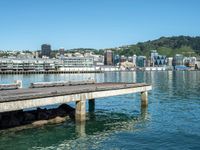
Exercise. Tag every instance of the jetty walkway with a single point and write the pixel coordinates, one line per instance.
(14, 97)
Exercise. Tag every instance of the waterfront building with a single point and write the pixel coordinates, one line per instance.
(170, 61)
(46, 50)
(130, 59)
(78, 62)
(154, 54)
(189, 61)
(108, 57)
(98, 60)
(141, 61)
(134, 60)
(116, 59)
(123, 59)
(157, 60)
(178, 60)
(160, 60)
(16, 64)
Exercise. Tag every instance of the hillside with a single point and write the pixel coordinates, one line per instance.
(169, 46)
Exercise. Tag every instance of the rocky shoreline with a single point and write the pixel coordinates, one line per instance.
(36, 117)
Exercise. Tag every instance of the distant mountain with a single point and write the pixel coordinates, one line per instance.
(169, 46)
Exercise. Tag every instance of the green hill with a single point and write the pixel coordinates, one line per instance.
(169, 46)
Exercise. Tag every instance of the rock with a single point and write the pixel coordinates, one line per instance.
(14, 121)
(52, 113)
(40, 123)
(42, 114)
(28, 117)
(37, 117)
(66, 108)
(57, 120)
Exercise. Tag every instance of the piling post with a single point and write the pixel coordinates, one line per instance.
(91, 105)
(144, 99)
(80, 113)
(80, 129)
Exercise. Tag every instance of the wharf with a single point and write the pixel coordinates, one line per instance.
(19, 99)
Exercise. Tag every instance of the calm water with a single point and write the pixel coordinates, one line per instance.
(172, 120)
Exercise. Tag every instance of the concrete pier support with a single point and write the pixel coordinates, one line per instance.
(80, 129)
(91, 105)
(80, 113)
(144, 99)
(144, 113)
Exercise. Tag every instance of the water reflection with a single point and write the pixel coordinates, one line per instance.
(119, 120)
(80, 129)
(90, 135)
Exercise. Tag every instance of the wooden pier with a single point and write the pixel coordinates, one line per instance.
(58, 93)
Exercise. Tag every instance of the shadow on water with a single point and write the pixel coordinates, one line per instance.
(100, 125)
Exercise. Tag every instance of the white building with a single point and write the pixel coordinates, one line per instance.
(78, 62)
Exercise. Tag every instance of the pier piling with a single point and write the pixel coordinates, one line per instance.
(80, 114)
(144, 99)
(91, 105)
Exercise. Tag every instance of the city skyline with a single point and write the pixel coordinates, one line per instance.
(89, 24)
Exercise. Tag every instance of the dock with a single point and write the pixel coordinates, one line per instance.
(43, 94)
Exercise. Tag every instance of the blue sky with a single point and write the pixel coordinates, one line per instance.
(26, 24)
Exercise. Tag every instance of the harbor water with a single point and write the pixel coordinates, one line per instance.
(171, 121)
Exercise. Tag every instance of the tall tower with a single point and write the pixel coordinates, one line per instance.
(108, 57)
(46, 50)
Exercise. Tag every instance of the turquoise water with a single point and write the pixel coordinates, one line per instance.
(171, 121)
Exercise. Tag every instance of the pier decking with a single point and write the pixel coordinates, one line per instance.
(18, 99)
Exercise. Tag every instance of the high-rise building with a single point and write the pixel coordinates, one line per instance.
(108, 57)
(46, 50)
